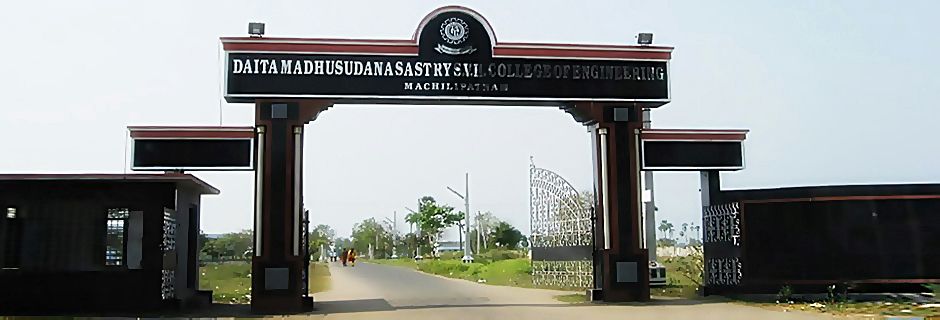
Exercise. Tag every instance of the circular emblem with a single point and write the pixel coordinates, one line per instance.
(454, 31)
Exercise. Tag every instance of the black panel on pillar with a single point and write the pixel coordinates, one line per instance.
(625, 140)
(279, 133)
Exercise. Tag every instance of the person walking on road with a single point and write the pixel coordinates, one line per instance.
(344, 256)
(351, 256)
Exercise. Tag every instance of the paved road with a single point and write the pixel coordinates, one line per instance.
(370, 291)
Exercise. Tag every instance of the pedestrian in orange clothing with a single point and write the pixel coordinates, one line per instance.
(351, 256)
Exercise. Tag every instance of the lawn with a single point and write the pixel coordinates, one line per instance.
(230, 282)
(677, 284)
(852, 308)
(516, 272)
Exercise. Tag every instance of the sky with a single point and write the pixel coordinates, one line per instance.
(834, 92)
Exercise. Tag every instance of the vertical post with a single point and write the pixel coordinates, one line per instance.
(259, 190)
(298, 165)
(394, 234)
(649, 202)
(605, 194)
(622, 263)
(710, 186)
(467, 255)
(278, 264)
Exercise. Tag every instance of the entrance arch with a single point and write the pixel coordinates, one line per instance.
(452, 58)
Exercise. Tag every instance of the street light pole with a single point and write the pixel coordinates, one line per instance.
(411, 227)
(467, 255)
(394, 233)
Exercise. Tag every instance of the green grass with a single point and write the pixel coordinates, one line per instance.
(850, 308)
(516, 272)
(677, 285)
(403, 262)
(230, 282)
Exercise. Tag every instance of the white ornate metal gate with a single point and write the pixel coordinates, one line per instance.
(562, 231)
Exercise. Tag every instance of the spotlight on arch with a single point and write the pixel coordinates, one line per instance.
(644, 39)
(256, 29)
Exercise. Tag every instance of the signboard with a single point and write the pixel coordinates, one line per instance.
(693, 155)
(679, 149)
(202, 149)
(452, 60)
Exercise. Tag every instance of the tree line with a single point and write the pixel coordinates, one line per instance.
(429, 222)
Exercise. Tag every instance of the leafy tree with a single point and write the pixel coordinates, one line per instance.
(506, 236)
(665, 242)
(486, 222)
(691, 267)
(666, 227)
(211, 249)
(412, 241)
(341, 244)
(229, 246)
(685, 232)
(370, 233)
(432, 218)
(321, 235)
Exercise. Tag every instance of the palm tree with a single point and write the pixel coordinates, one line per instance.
(663, 227)
(695, 229)
(670, 229)
(685, 230)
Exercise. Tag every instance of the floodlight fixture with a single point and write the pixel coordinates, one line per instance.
(256, 29)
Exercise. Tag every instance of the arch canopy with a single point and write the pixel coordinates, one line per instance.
(453, 57)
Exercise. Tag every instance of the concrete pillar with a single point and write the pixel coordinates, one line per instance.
(623, 262)
(276, 267)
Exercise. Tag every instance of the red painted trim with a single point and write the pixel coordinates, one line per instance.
(581, 46)
(693, 134)
(406, 47)
(318, 40)
(192, 134)
(323, 48)
(723, 131)
(844, 198)
(179, 128)
(702, 137)
(166, 177)
(363, 47)
(580, 53)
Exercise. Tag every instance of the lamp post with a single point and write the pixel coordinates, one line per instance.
(417, 246)
(394, 233)
(467, 255)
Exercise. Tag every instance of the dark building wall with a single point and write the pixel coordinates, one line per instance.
(187, 267)
(878, 237)
(63, 245)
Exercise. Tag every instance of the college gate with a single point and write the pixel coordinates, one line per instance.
(452, 58)
(562, 239)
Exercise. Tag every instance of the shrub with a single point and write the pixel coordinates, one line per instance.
(499, 255)
(934, 288)
(451, 255)
(785, 294)
(691, 267)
